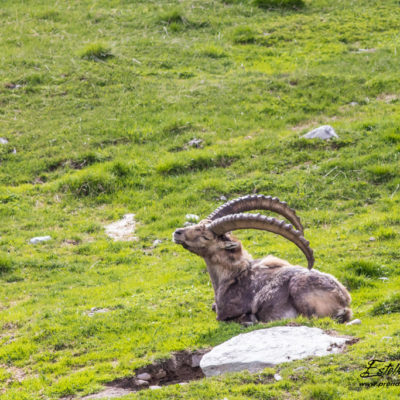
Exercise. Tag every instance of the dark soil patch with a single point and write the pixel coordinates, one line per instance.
(183, 366)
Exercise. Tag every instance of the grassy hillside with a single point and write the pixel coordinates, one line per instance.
(98, 100)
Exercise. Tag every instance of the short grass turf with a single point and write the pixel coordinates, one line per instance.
(98, 100)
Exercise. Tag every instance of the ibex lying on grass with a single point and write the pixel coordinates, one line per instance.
(269, 288)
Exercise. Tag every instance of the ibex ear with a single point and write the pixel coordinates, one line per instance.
(231, 245)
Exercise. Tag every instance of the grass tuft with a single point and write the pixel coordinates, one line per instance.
(175, 17)
(96, 52)
(5, 263)
(385, 233)
(319, 391)
(244, 35)
(273, 4)
(381, 173)
(89, 183)
(366, 268)
(190, 161)
(387, 306)
(49, 14)
(354, 282)
(213, 52)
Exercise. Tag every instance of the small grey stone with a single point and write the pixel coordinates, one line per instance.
(223, 198)
(187, 223)
(277, 377)
(157, 242)
(160, 374)
(197, 143)
(141, 382)
(192, 217)
(154, 387)
(145, 376)
(372, 239)
(324, 132)
(182, 383)
(366, 50)
(3, 140)
(39, 239)
(354, 322)
(196, 360)
(14, 151)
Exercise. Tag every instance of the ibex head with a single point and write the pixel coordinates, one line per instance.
(201, 240)
(212, 236)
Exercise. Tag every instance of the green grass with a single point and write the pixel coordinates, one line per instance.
(99, 101)
(96, 52)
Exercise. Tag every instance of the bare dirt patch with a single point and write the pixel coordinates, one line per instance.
(17, 374)
(182, 367)
(122, 230)
(387, 97)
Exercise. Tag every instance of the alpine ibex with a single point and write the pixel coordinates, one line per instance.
(267, 289)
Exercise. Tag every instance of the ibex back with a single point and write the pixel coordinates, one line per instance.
(269, 288)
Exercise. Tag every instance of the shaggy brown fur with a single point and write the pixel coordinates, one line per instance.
(266, 289)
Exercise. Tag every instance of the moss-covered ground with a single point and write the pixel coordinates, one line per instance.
(98, 100)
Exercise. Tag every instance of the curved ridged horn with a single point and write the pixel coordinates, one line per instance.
(257, 202)
(258, 221)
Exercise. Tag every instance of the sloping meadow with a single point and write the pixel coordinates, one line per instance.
(100, 103)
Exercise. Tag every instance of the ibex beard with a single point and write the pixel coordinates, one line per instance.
(266, 289)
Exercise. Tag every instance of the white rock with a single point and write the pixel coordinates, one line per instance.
(195, 143)
(354, 322)
(192, 217)
(366, 51)
(97, 310)
(141, 382)
(263, 348)
(277, 377)
(3, 140)
(122, 230)
(372, 239)
(223, 198)
(324, 132)
(383, 278)
(39, 239)
(187, 223)
(145, 376)
(154, 387)
(156, 242)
